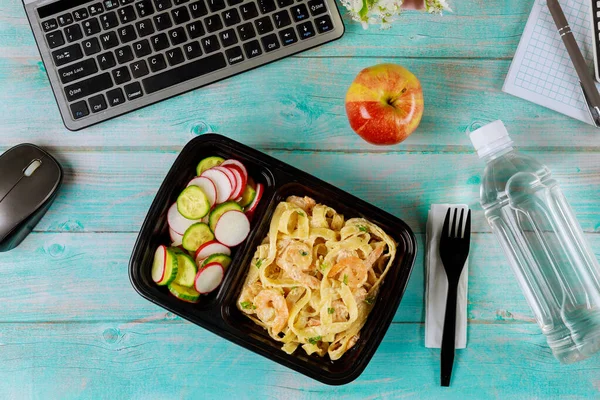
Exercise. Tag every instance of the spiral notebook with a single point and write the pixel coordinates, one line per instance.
(541, 70)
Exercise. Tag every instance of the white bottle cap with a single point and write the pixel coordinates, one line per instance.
(490, 138)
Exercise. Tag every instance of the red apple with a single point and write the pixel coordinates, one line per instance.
(384, 104)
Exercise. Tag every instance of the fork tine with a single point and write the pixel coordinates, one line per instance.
(468, 227)
(459, 230)
(453, 230)
(446, 224)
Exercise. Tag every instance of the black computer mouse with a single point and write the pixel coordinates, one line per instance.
(29, 181)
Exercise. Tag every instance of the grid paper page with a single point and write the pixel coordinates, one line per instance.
(541, 70)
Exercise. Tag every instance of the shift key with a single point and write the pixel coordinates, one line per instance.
(67, 54)
(88, 87)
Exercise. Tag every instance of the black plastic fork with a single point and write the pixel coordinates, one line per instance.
(454, 249)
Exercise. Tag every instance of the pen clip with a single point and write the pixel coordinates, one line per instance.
(593, 110)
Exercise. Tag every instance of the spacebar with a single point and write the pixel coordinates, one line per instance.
(184, 73)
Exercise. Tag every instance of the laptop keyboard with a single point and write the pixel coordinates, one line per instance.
(114, 52)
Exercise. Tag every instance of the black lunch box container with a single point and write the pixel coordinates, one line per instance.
(217, 312)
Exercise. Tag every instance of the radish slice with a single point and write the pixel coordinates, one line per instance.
(235, 169)
(176, 238)
(210, 248)
(209, 278)
(230, 176)
(222, 183)
(232, 162)
(232, 228)
(260, 189)
(160, 264)
(240, 182)
(207, 186)
(178, 222)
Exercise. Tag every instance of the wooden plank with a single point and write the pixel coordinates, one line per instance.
(84, 276)
(112, 191)
(178, 360)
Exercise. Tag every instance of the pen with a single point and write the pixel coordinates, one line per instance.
(590, 92)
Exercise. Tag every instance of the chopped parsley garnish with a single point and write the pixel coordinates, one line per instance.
(247, 305)
(303, 253)
(301, 214)
(330, 311)
(345, 279)
(314, 340)
(370, 300)
(363, 228)
(323, 266)
(259, 263)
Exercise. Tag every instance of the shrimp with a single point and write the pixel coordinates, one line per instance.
(272, 309)
(305, 203)
(340, 311)
(352, 269)
(374, 255)
(295, 260)
(248, 294)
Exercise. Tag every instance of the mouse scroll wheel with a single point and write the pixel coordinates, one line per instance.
(35, 164)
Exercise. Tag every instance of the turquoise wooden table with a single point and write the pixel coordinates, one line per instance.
(71, 325)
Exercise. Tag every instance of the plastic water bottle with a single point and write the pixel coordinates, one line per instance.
(544, 243)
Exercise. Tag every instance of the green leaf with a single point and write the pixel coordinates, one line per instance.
(363, 228)
(303, 253)
(259, 263)
(370, 300)
(247, 305)
(345, 279)
(314, 340)
(323, 266)
(330, 311)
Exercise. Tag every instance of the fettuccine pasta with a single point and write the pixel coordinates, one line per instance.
(315, 277)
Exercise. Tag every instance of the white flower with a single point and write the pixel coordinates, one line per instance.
(384, 12)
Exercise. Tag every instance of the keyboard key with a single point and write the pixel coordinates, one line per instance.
(144, 27)
(77, 70)
(73, 33)
(159, 42)
(288, 36)
(180, 15)
(198, 9)
(213, 23)
(270, 42)
(234, 55)
(55, 39)
(49, 25)
(323, 24)
(216, 5)
(263, 25)
(317, 7)
(90, 46)
(80, 14)
(144, 8)
(282, 19)
(177, 36)
(249, 11)
(79, 109)
(157, 62)
(252, 49)
(106, 60)
(65, 19)
(109, 20)
(110, 4)
(228, 37)
(174, 56)
(109, 40)
(162, 5)
(96, 9)
(124, 54)
(142, 48)
(67, 54)
(133, 91)
(266, 6)
(88, 87)
(192, 50)
(121, 75)
(305, 30)
(127, 34)
(125, 2)
(246, 31)
(115, 97)
(195, 29)
(97, 103)
(210, 44)
(231, 17)
(284, 3)
(184, 73)
(139, 68)
(162, 21)
(126, 14)
(91, 26)
(299, 12)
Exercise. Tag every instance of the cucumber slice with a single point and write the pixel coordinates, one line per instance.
(220, 210)
(186, 269)
(192, 203)
(196, 235)
(188, 294)
(248, 196)
(208, 163)
(222, 259)
(164, 267)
